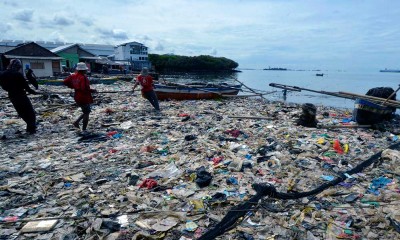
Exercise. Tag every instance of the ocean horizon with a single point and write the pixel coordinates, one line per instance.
(358, 82)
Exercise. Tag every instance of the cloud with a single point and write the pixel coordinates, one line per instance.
(87, 22)
(117, 34)
(144, 38)
(5, 27)
(10, 3)
(57, 37)
(24, 15)
(62, 20)
(57, 21)
(159, 47)
(251, 31)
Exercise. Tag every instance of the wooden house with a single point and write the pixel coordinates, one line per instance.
(42, 61)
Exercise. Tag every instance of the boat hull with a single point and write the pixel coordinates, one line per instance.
(366, 112)
(192, 93)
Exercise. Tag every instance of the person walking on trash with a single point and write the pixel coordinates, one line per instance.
(13, 81)
(83, 94)
(31, 77)
(146, 82)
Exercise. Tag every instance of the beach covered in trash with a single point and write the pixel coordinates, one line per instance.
(140, 174)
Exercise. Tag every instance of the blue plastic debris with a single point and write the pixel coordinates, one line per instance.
(327, 178)
(378, 183)
(232, 180)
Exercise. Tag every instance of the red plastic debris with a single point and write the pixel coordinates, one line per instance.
(148, 183)
(337, 147)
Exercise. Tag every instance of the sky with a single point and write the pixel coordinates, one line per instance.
(302, 34)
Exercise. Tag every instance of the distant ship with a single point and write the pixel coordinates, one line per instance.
(389, 70)
(276, 69)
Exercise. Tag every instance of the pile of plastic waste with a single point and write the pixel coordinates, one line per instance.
(141, 174)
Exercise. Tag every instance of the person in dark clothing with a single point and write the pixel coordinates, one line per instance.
(31, 77)
(15, 84)
(105, 69)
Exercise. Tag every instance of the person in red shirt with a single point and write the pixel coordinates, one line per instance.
(146, 81)
(83, 94)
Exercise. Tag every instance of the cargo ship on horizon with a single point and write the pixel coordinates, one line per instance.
(389, 70)
(275, 69)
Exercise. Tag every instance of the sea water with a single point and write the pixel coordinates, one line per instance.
(331, 81)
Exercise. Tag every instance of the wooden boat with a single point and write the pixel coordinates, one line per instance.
(93, 80)
(367, 112)
(319, 74)
(194, 91)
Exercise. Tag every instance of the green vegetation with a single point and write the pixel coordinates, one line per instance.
(175, 63)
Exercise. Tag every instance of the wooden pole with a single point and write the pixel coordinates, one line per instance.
(391, 95)
(392, 103)
(377, 100)
(237, 80)
(248, 95)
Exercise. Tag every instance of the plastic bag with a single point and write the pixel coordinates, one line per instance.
(170, 171)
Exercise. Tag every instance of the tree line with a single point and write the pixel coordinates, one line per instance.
(176, 63)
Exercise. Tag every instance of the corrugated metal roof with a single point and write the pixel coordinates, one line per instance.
(136, 43)
(62, 48)
(95, 58)
(4, 49)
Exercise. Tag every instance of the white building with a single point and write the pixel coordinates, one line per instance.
(133, 53)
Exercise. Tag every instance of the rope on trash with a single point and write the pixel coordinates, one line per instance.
(55, 93)
(268, 190)
(67, 93)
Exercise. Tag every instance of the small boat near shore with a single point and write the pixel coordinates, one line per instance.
(194, 91)
(319, 74)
